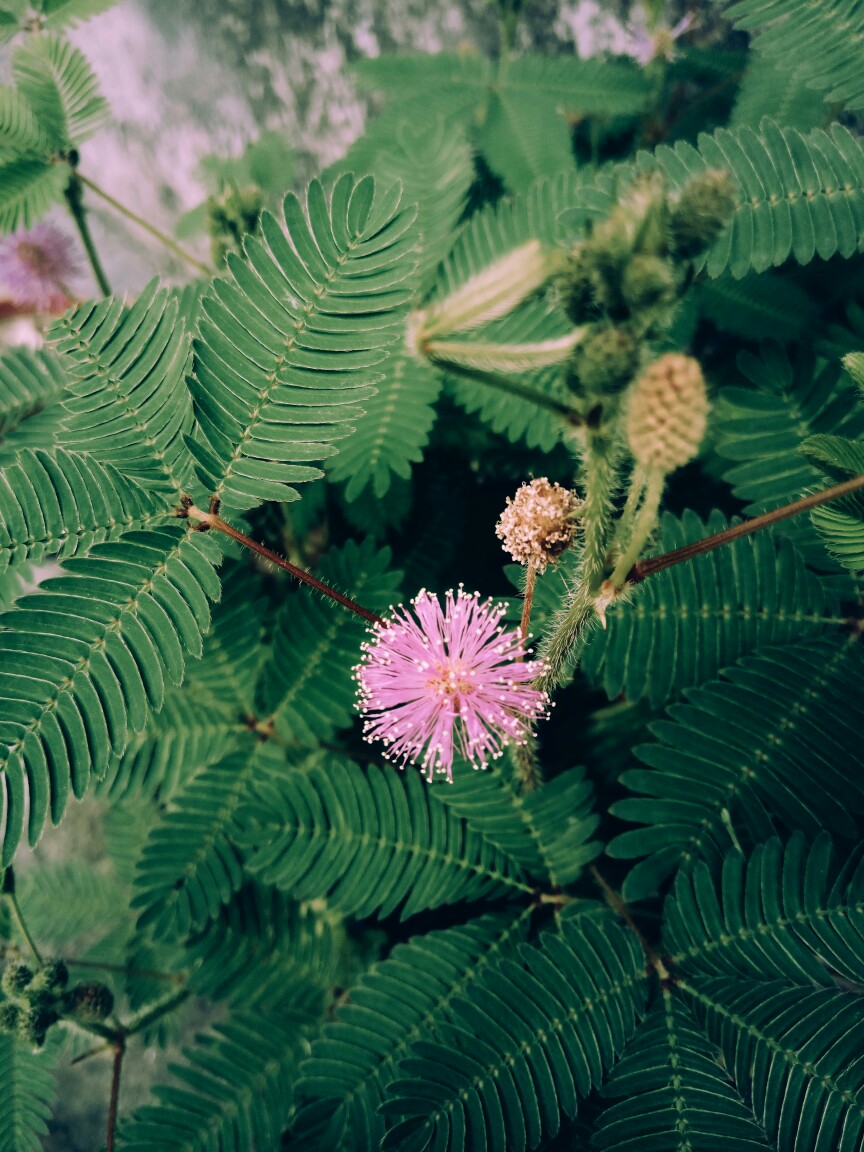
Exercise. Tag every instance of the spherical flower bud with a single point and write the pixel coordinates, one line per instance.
(33, 1024)
(16, 977)
(703, 210)
(667, 413)
(604, 362)
(9, 1015)
(50, 977)
(648, 282)
(89, 1001)
(538, 523)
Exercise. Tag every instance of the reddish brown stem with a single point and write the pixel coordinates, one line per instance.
(653, 564)
(214, 521)
(528, 600)
(113, 1103)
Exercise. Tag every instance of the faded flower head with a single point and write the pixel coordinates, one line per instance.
(36, 266)
(645, 43)
(538, 523)
(434, 684)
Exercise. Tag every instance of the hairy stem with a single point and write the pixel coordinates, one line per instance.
(528, 600)
(513, 388)
(75, 202)
(156, 233)
(148, 1018)
(527, 772)
(568, 626)
(599, 475)
(653, 564)
(643, 524)
(114, 1101)
(214, 521)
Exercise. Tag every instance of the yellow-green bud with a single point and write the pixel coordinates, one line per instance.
(667, 413)
(16, 977)
(648, 283)
(605, 361)
(9, 1014)
(703, 210)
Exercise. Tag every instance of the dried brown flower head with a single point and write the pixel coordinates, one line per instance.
(539, 522)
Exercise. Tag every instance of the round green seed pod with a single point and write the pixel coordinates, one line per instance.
(648, 283)
(703, 210)
(667, 413)
(89, 1001)
(604, 362)
(16, 977)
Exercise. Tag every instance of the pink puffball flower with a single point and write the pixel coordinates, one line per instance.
(35, 267)
(434, 684)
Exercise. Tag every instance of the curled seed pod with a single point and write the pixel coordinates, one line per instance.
(667, 413)
(702, 211)
(16, 977)
(89, 1001)
(539, 522)
(604, 362)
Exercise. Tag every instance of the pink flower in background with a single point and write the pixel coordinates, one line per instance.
(447, 683)
(36, 266)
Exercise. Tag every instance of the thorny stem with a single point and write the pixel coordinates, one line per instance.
(618, 906)
(156, 233)
(527, 767)
(598, 481)
(214, 521)
(75, 203)
(643, 525)
(119, 1052)
(513, 388)
(652, 564)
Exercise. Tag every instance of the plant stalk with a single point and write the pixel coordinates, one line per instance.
(22, 927)
(114, 1101)
(75, 203)
(512, 388)
(652, 564)
(214, 521)
(528, 600)
(156, 233)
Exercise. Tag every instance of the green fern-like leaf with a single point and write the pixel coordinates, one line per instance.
(233, 1092)
(761, 303)
(817, 42)
(521, 1054)
(786, 1044)
(378, 842)
(68, 13)
(190, 866)
(800, 196)
(676, 1095)
(28, 1093)
(288, 341)
(58, 82)
(29, 382)
(777, 739)
(547, 831)
(29, 185)
(262, 945)
(81, 660)
(840, 525)
(687, 623)
(20, 130)
(792, 913)
(769, 89)
(129, 404)
(352, 1062)
(61, 503)
(69, 904)
(307, 684)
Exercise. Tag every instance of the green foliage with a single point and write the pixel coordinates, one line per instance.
(29, 382)
(519, 1056)
(732, 758)
(800, 196)
(28, 1093)
(307, 684)
(379, 843)
(816, 42)
(233, 1091)
(82, 659)
(272, 387)
(756, 593)
(352, 1062)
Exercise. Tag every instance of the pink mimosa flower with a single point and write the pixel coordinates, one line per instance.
(36, 266)
(446, 683)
